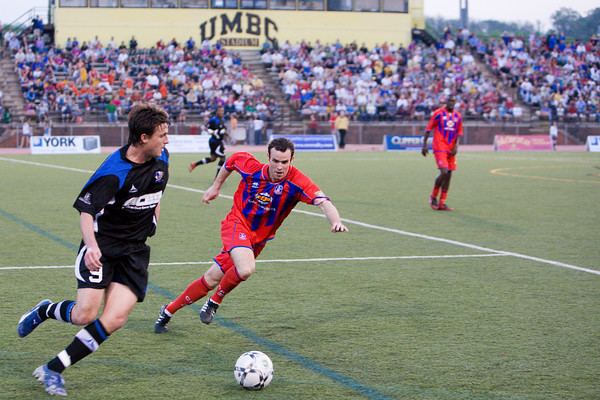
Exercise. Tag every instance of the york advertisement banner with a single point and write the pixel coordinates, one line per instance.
(593, 144)
(404, 143)
(522, 143)
(65, 144)
(311, 142)
(188, 144)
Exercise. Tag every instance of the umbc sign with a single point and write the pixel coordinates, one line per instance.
(242, 22)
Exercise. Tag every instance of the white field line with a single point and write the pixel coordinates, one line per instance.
(375, 227)
(282, 261)
(518, 157)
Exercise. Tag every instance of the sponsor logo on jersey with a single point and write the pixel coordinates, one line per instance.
(263, 199)
(144, 202)
(86, 199)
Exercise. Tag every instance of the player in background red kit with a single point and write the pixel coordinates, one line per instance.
(265, 196)
(447, 127)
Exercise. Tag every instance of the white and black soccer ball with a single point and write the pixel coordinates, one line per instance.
(253, 370)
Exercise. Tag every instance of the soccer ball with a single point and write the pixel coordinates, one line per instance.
(253, 370)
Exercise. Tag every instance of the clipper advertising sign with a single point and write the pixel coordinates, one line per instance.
(404, 143)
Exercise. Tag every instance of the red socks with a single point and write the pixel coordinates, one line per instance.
(443, 197)
(227, 284)
(195, 291)
(199, 288)
(435, 192)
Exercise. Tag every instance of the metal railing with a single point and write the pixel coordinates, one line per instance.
(23, 21)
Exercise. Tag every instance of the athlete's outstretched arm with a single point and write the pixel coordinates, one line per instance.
(213, 191)
(333, 216)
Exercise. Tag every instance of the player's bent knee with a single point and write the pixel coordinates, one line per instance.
(246, 271)
(113, 323)
(83, 316)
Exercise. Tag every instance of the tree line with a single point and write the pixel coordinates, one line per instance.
(564, 20)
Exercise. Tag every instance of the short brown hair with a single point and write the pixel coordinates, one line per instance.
(144, 118)
(281, 144)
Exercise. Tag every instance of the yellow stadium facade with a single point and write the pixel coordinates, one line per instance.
(243, 24)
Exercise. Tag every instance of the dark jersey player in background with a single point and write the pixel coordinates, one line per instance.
(265, 196)
(119, 208)
(218, 131)
(447, 127)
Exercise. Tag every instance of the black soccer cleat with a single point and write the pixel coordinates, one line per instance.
(160, 326)
(208, 311)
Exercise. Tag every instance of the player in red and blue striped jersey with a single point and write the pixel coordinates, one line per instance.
(447, 127)
(266, 195)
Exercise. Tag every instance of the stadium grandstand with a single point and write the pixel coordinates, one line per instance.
(81, 64)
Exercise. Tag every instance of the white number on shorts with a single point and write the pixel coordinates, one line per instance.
(96, 276)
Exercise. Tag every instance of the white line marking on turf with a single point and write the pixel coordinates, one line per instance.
(517, 157)
(461, 244)
(370, 226)
(46, 165)
(290, 260)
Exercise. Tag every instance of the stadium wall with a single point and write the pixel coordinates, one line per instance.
(368, 134)
(236, 28)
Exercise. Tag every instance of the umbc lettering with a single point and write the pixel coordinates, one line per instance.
(59, 141)
(254, 25)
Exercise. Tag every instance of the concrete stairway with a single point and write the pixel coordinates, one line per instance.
(251, 58)
(12, 97)
(488, 73)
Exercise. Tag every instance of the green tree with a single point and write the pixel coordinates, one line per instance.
(565, 20)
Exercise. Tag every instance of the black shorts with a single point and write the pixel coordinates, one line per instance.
(217, 148)
(122, 262)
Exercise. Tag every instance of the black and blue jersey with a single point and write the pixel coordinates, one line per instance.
(216, 128)
(123, 195)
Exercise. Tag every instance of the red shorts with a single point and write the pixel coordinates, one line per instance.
(235, 234)
(444, 159)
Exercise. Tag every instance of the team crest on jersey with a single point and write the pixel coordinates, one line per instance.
(242, 236)
(158, 176)
(264, 199)
(278, 190)
(450, 124)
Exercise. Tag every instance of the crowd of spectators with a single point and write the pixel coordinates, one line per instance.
(559, 79)
(387, 82)
(79, 81)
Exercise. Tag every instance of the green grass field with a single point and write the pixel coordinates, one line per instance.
(496, 300)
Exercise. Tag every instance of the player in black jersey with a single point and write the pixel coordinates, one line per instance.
(218, 131)
(119, 208)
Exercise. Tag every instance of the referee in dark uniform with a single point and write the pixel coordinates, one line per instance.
(119, 209)
(218, 131)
